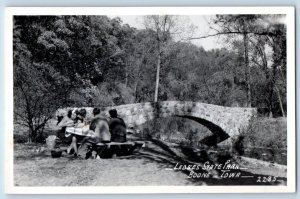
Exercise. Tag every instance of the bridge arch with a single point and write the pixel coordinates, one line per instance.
(219, 134)
(225, 122)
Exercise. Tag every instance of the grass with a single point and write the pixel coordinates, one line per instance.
(33, 165)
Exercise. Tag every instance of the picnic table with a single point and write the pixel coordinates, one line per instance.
(102, 149)
(82, 131)
(105, 150)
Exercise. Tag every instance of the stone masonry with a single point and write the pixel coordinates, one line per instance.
(225, 122)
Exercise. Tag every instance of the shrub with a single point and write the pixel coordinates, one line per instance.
(266, 132)
(20, 138)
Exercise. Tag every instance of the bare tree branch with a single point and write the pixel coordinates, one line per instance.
(233, 32)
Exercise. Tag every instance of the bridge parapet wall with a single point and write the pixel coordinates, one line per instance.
(231, 119)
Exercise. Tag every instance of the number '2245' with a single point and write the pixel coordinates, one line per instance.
(266, 179)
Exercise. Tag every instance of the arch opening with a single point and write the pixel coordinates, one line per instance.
(162, 126)
(218, 136)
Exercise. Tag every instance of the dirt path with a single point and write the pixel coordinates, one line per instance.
(153, 165)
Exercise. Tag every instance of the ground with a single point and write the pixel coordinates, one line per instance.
(152, 165)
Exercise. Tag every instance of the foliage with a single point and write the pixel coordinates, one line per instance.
(266, 132)
(254, 37)
(62, 61)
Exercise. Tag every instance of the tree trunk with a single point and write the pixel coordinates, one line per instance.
(29, 139)
(135, 91)
(272, 83)
(30, 136)
(269, 80)
(270, 104)
(248, 70)
(157, 76)
(280, 101)
(126, 78)
(126, 75)
(136, 84)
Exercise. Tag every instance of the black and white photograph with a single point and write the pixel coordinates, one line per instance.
(150, 100)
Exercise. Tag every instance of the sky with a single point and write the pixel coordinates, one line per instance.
(200, 21)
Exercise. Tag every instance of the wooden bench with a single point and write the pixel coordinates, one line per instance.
(122, 148)
(118, 148)
(129, 143)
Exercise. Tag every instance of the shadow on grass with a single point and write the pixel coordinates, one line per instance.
(167, 158)
(32, 156)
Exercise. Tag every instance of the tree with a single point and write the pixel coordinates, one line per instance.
(64, 61)
(140, 63)
(165, 28)
(39, 91)
(278, 45)
(161, 25)
(239, 25)
(269, 55)
(252, 29)
(41, 50)
(67, 61)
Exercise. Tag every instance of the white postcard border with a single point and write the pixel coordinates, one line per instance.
(291, 109)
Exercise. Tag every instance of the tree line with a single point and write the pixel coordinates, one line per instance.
(97, 61)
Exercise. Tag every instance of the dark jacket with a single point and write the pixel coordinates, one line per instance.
(100, 126)
(117, 129)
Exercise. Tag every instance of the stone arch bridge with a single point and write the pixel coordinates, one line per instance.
(224, 122)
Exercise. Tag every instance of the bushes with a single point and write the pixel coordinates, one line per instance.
(266, 132)
(20, 138)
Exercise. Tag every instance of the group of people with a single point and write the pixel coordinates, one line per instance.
(75, 128)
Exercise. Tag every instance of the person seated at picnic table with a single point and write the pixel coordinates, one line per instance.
(117, 127)
(99, 121)
(78, 131)
(98, 133)
(63, 122)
